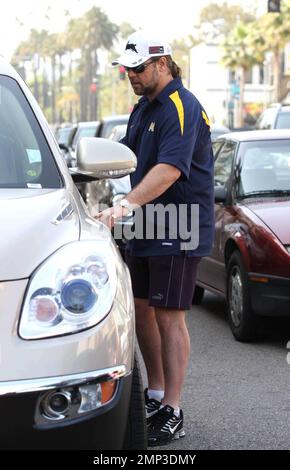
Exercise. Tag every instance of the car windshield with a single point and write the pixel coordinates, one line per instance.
(25, 157)
(264, 168)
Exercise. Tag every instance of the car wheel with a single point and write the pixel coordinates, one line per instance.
(136, 431)
(242, 320)
(197, 295)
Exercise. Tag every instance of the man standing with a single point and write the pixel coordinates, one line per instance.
(169, 132)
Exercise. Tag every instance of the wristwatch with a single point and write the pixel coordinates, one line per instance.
(125, 203)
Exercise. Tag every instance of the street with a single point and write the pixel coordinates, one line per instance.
(236, 395)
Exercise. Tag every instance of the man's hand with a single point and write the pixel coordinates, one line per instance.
(155, 183)
(108, 216)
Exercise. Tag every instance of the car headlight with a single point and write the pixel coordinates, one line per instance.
(72, 290)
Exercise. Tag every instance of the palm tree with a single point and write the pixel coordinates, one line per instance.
(271, 34)
(240, 55)
(32, 49)
(89, 33)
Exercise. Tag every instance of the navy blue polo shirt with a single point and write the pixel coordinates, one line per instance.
(174, 129)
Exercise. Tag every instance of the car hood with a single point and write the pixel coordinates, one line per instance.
(275, 214)
(34, 224)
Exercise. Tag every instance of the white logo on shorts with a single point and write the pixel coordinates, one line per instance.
(157, 297)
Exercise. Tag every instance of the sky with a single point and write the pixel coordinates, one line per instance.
(171, 20)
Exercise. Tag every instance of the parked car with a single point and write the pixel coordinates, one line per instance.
(101, 128)
(64, 137)
(69, 377)
(277, 116)
(62, 133)
(109, 122)
(119, 186)
(217, 130)
(250, 261)
(82, 129)
(110, 192)
(97, 193)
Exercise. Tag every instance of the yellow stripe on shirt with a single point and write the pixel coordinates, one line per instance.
(207, 121)
(179, 106)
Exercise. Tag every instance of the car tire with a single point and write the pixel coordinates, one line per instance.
(243, 322)
(197, 295)
(136, 430)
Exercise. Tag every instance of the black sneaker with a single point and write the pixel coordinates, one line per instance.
(165, 427)
(151, 407)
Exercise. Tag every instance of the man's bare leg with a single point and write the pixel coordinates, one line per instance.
(150, 343)
(175, 342)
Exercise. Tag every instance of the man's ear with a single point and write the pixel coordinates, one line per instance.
(163, 63)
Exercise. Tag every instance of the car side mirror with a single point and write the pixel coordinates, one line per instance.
(220, 194)
(99, 158)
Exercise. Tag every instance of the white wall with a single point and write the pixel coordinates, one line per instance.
(209, 81)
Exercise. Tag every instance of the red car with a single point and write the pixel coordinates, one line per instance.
(250, 261)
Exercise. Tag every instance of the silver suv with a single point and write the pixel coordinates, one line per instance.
(276, 116)
(69, 377)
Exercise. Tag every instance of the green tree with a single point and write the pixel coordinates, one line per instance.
(125, 29)
(180, 52)
(271, 33)
(32, 49)
(240, 54)
(217, 20)
(89, 33)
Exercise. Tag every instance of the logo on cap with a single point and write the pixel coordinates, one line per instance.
(132, 47)
(156, 50)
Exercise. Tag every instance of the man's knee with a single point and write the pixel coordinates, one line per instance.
(168, 318)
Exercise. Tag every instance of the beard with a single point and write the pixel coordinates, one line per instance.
(147, 89)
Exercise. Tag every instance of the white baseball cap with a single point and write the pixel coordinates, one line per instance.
(140, 46)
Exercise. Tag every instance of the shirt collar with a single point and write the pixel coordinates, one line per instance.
(172, 86)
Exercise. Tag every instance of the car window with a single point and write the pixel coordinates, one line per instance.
(283, 121)
(216, 147)
(26, 160)
(267, 119)
(223, 163)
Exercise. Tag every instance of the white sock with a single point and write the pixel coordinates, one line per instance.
(155, 394)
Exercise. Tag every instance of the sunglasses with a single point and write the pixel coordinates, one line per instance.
(142, 67)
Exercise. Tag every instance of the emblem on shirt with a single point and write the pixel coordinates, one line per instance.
(151, 127)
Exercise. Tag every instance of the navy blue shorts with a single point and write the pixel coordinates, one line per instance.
(166, 281)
